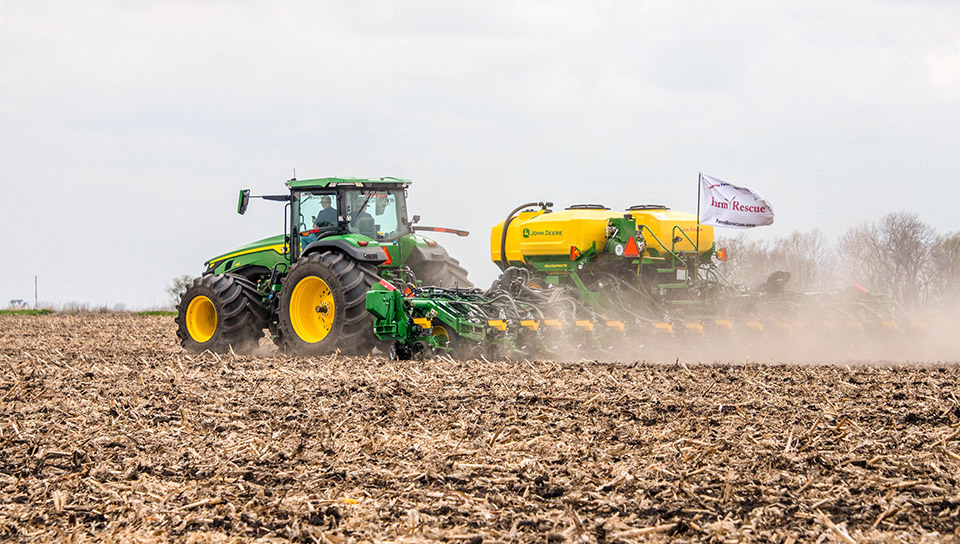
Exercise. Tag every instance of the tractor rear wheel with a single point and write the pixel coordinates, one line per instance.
(217, 313)
(323, 305)
(446, 273)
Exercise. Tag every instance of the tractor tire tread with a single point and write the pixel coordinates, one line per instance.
(354, 332)
(446, 273)
(241, 315)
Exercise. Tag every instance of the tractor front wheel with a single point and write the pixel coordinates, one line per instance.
(217, 313)
(323, 305)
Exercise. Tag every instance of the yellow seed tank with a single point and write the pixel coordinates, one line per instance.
(541, 233)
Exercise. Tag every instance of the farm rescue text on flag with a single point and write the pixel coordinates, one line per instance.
(726, 205)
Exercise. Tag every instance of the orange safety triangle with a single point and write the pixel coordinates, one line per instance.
(631, 250)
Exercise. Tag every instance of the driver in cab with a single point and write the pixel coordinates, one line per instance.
(327, 216)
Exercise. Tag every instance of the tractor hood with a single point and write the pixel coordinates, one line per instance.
(273, 244)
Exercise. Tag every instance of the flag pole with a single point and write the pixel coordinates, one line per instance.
(699, 185)
(697, 259)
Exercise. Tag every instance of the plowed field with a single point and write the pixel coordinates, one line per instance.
(110, 432)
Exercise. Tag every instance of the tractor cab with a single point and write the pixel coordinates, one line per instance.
(371, 209)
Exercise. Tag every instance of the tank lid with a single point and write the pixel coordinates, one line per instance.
(647, 207)
(588, 207)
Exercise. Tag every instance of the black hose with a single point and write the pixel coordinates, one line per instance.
(506, 223)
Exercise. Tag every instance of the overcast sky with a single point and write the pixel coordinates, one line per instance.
(127, 128)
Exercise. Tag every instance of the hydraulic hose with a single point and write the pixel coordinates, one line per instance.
(506, 223)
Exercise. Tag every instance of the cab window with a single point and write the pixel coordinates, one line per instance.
(375, 214)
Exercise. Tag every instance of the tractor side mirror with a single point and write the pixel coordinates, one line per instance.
(244, 200)
(415, 220)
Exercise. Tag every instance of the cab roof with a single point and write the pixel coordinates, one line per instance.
(333, 182)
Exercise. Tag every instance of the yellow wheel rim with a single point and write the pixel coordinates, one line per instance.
(311, 309)
(201, 319)
(441, 334)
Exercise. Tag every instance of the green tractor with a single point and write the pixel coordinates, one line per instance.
(308, 285)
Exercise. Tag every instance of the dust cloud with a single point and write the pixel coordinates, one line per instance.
(922, 339)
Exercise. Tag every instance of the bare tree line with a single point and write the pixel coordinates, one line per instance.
(898, 255)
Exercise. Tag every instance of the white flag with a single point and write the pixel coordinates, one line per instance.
(727, 205)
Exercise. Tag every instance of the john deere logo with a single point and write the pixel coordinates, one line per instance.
(528, 233)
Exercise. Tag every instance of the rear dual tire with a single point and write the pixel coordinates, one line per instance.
(446, 273)
(220, 313)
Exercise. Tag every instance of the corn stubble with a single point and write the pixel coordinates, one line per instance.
(109, 432)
